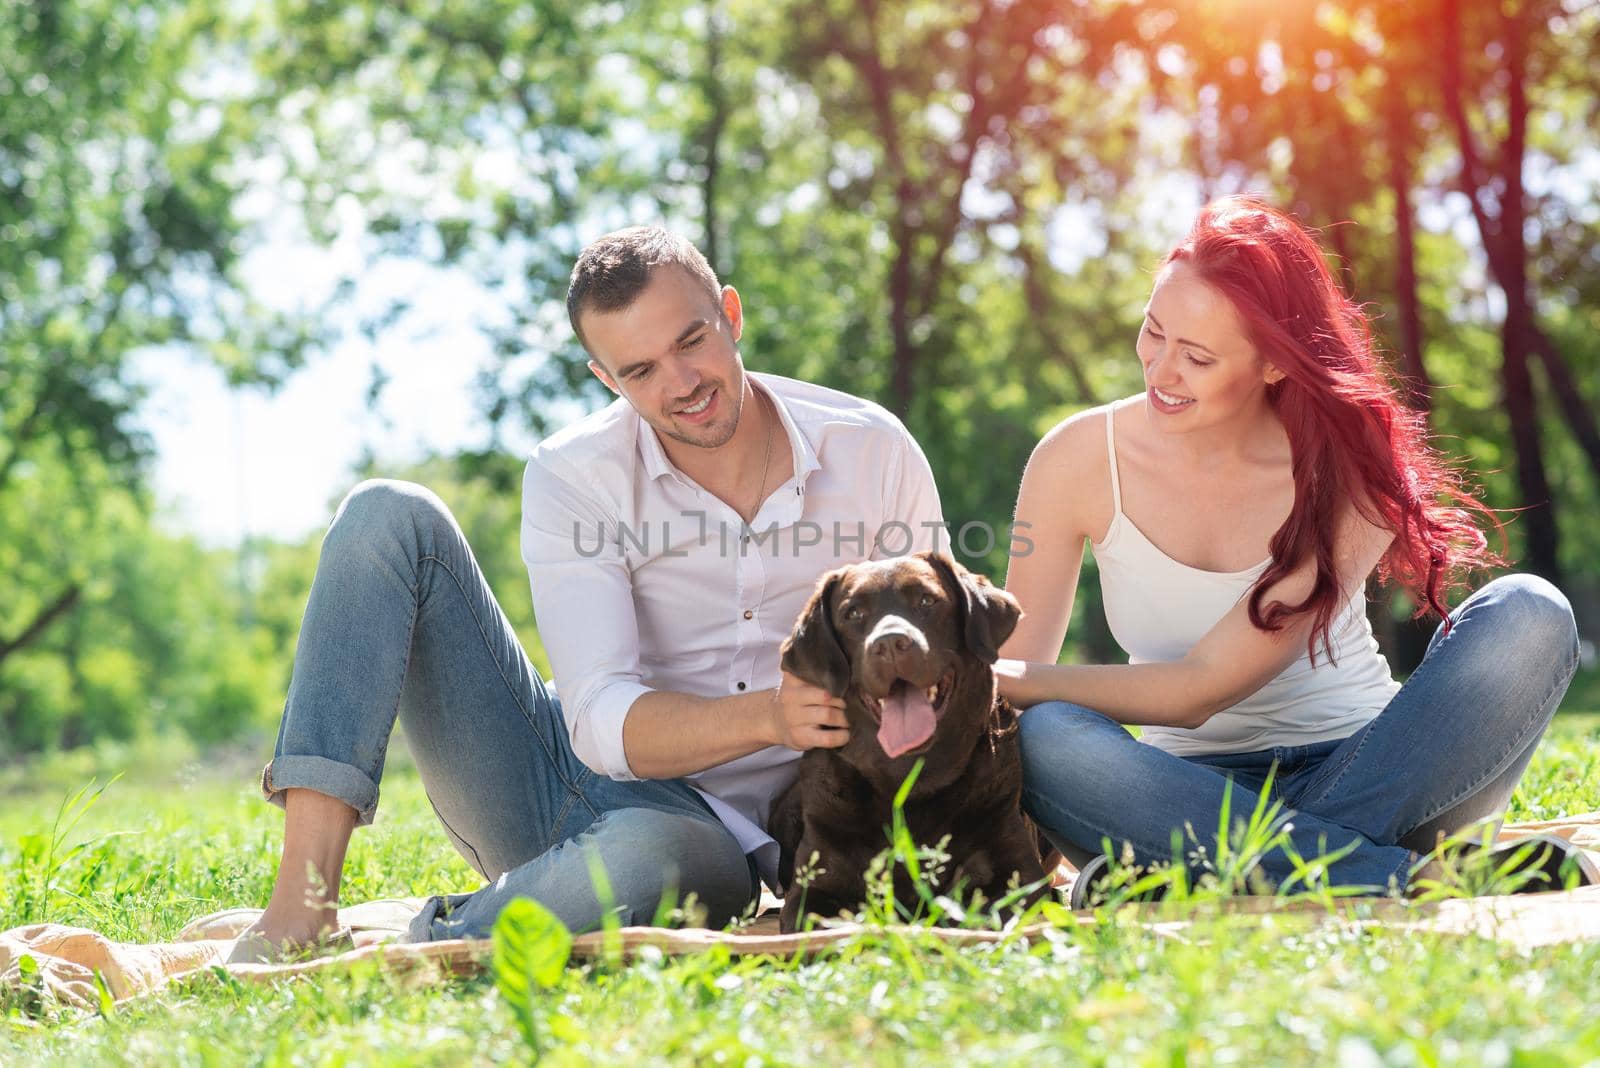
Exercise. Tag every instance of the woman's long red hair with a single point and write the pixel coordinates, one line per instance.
(1351, 438)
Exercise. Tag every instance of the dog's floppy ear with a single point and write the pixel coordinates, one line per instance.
(988, 613)
(812, 651)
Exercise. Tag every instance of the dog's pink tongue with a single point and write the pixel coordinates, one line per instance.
(908, 719)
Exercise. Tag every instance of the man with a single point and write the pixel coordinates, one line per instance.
(671, 540)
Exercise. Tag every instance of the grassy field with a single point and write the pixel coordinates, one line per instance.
(190, 836)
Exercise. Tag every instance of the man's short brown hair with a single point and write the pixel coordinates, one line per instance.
(612, 272)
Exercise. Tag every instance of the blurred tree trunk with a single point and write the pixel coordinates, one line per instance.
(1574, 407)
(1044, 314)
(1417, 385)
(711, 136)
(71, 733)
(1501, 230)
(925, 179)
(41, 622)
(1396, 637)
(907, 221)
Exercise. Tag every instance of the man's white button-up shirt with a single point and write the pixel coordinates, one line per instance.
(644, 581)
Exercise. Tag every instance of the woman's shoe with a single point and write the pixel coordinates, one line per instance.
(1533, 865)
(1088, 888)
(1098, 883)
(1540, 863)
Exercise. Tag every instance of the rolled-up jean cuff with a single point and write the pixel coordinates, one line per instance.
(342, 782)
(436, 910)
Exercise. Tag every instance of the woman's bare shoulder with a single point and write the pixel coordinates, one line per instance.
(1069, 470)
(1073, 433)
(1076, 447)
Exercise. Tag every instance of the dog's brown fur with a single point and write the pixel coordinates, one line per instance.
(934, 620)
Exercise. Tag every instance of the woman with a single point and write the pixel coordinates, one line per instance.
(1236, 510)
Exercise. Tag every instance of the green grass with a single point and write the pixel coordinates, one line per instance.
(196, 837)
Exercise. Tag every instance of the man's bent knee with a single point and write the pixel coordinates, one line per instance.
(387, 502)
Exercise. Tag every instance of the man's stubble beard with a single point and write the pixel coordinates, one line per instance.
(733, 425)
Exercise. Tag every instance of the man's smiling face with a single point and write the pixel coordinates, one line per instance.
(673, 355)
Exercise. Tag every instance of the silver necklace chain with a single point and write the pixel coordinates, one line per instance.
(766, 459)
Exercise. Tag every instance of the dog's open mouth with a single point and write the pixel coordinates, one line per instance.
(908, 715)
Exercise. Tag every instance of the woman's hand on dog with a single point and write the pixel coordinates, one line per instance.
(805, 716)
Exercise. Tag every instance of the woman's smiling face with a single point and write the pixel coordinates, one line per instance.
(1200, 367)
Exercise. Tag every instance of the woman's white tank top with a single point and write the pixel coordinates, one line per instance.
(1158, 609)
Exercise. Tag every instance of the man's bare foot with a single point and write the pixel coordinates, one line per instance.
(269, 941)
(302, 914)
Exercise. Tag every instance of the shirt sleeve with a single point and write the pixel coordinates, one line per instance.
(913, 498)
(583, 603)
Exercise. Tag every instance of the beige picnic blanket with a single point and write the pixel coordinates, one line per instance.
(66, 960)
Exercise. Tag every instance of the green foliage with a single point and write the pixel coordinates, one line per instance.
(158, 637)
(1274, 989)
(950, 208)
(531, 949)
(117, 222)
(42, 858)
(119, 169)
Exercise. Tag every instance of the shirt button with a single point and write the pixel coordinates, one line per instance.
(749, 614)
(741, 686)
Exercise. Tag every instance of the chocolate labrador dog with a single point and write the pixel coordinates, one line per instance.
(909, 643)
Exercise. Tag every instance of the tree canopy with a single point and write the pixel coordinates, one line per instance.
(950, 207)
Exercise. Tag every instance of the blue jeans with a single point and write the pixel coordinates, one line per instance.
(1443, 756)
(401, 622)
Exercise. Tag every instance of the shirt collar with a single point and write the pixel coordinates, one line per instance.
(801, 447)
(654, 456)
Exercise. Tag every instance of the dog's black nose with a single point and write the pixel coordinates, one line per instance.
(890, 645)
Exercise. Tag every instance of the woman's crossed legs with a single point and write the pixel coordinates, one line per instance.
(1443, 756)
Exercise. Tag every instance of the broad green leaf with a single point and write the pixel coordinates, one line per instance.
(532, 942)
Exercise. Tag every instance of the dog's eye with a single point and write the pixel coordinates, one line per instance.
(926, 601)
(853, 613)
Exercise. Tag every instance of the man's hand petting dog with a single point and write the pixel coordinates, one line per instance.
(806, 716)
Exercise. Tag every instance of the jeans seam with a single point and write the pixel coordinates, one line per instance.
(585, 777)
(561, 816)
(484, 637)
(1287, 760)
(1304, 799)
(573, 794)
(1504, 761)
(477, 861)
(405, 669)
